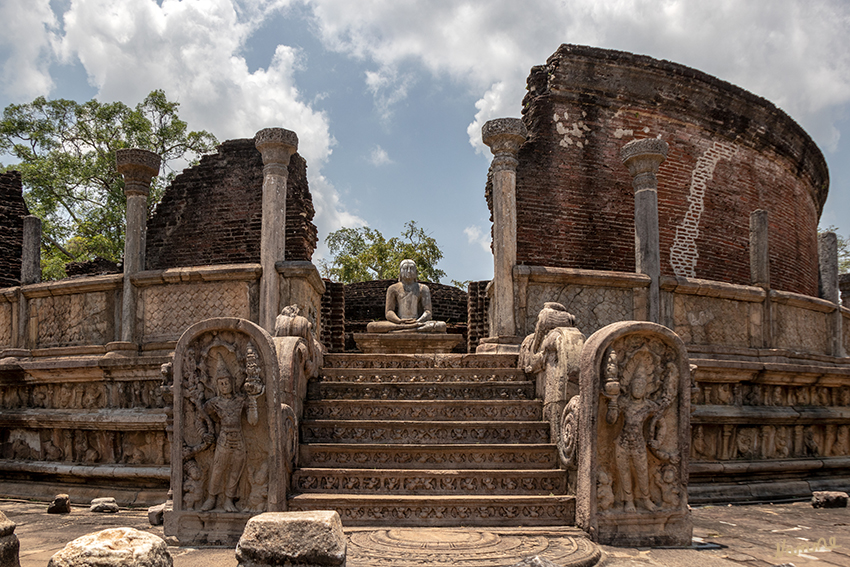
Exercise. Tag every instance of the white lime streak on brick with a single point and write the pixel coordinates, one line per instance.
(684, 253)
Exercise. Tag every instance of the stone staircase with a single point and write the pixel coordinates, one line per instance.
(428, 440)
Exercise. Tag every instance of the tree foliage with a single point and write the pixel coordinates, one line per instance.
(363, 254)
(66, 155)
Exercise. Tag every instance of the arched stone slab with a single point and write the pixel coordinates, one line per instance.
(634, 436)
(227, 451)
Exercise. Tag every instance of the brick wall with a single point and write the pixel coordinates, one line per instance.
(731, 153)
(477, 307)
(333, 316)
(13, 209)
(212, 213)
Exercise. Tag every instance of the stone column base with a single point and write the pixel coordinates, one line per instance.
(505, 344)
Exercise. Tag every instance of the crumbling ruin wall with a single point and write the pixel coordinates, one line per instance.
(333, 316)
(212, 213)
(13, 209)
(731, 153)
(477, 307)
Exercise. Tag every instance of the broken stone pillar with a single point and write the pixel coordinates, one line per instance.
(642, 158)
(9, 544)
(828, 285)
(760, 270)
(504, 136)
(759, 257)
(293, 538)
(31, 251)
(138, 168)
(633, 436)
(125, 547)
(276, 145)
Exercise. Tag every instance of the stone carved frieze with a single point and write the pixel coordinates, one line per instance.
(407, 361)
(729, 442)
(469, 457)
(459, 375)
(135, 394)
(634, 444)
(417, 433)
(477, 411)
(424, 482)
(434, 514)
(339, 391)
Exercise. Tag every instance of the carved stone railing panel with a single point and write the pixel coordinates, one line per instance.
(798, 328)
(6, 332)
(845, 335)
(74, 319)
(594, 307)
(171, 309)
(712, 321)
(634, 436)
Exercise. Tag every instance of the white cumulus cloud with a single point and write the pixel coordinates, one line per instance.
(788, 51)
(474, 235)
(192, 50)
(25, 46)
(378, 156)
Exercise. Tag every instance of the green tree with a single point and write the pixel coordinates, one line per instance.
(65, 152)
(363, 254)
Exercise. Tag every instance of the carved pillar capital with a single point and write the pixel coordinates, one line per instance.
(276, 145)
(504, 136)
(642, 158)
(137, 167)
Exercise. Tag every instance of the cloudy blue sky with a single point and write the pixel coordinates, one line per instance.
(388, 96)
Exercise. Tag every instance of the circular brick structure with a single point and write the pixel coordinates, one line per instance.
(730, 153)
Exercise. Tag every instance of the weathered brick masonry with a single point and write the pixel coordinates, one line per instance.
(212, 213)
(13, 209)
(333, 316)
(731, 153)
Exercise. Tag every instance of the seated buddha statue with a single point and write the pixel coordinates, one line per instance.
(408, 307)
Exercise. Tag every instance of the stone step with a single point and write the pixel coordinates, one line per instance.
(408, 375)
(358, 510)
(447, 457)
(419, 361)
(423, 432)
(443, 410)
(317, 390)
(409, 482)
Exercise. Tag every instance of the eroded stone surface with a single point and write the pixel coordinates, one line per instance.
(106, 505)
(829, 499)
(9, 544)
(292, 538)
(60, 505)
(115, 547)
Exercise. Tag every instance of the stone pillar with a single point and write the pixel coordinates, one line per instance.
(759, 258)
(828, 285)
(504, 136)
(760, 271)
(31, 253)
(138, 168)
(642, 158)
(277, 145)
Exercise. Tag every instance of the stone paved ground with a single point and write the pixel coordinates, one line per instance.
(732, 536)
